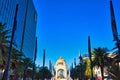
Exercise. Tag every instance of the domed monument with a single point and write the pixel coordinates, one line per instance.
(60, 69)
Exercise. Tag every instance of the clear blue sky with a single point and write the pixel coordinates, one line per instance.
(64, 25)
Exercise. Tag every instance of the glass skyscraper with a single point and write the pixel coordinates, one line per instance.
(25, 33)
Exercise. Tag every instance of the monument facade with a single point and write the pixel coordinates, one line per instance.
(60, 69)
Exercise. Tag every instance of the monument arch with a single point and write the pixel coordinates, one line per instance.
(60, 69)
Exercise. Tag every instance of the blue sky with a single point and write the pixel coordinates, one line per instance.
(63, 27)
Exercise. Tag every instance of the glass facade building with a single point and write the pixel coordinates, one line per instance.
(25, 33)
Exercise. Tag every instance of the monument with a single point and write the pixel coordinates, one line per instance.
(60, 69)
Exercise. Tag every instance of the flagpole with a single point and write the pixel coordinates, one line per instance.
(114, 28)
(43, 64)
(5, 75)
(50, 66)
(35, 55)
(75, 62)
(24, 77)
(81, 65)
(73, 70)
(21, 47)
(115, 34)
(33, 70)
(24, 26)
(89, 51)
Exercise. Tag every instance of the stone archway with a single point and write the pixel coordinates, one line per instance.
(61, 69)
(60, 73)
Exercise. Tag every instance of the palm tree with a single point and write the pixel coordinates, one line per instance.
(100, 58)
(27, 63)
(113, 67)
(14, 56)
(20, 66)
(4, 41)
(47, 72)
(16, 60)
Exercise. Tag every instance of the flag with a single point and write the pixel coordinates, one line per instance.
(113, 22)
(35, 55)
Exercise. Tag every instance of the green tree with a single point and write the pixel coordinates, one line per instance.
(113, 67)
(17, 61)
(87, 72)
(16, 57)
(78, 71)
(47, 73)
(73, 73)
(4, 41)
(27, 63)
(100, 58)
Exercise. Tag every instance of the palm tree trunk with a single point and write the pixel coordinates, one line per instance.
(24, 77)
(118, 71)
(102, 72)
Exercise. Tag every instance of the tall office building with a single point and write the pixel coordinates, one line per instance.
(25, 33)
